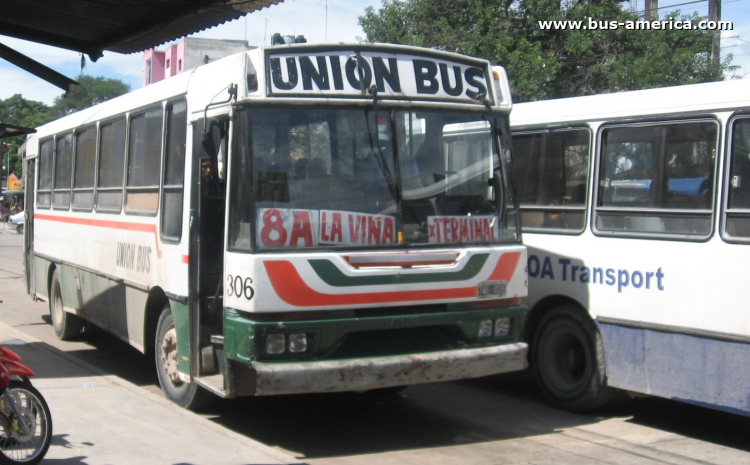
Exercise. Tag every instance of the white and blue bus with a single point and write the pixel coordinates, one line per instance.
(288, 220)
(635, 208)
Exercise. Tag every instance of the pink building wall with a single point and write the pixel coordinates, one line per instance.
(186, 54)
(153, 66)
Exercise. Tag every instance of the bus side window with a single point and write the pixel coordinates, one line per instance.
(737, 220)
(174, 171)
(63, 168)
(44, 189)
(552, 177)
(111, 166)
(659, 178)
(144, 162)
(85, 166)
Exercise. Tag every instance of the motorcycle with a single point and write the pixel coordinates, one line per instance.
(25, 420)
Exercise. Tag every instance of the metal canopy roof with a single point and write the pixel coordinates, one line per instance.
(124, 26)
(9, 130)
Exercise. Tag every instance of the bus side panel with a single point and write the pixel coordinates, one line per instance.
(41, 277)
(100, 298)
(130, 323)
(70, 287)
(699, 370)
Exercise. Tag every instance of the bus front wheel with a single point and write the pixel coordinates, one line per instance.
(568, 361)
(185, 394)
(67, 325)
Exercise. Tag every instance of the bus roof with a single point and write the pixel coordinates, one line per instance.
(725, 95)
(167, 88)
(211, 80)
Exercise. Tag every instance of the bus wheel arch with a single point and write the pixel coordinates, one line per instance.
(185, 394)
(155, 303)
(567, 357)
(67, 326)
(541, 309)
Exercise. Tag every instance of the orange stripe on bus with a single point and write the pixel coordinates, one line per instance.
(292, 289)
(110, 224)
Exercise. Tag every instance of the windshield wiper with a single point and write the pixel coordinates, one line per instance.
(380, 158)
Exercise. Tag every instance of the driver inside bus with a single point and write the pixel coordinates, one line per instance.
(210, 185)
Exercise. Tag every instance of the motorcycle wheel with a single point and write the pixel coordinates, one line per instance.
(16, 446)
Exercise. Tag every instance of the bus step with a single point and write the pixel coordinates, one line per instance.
(213, 383)
(217, 339)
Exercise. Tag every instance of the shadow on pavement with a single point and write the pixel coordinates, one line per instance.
(722, 428)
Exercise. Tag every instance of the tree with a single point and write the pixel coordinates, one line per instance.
(548, 63)
(18, 111)
(93, 90)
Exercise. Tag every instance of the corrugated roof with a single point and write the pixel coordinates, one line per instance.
(124, 26)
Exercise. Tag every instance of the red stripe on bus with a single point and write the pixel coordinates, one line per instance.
(138, 227)
(186, 259)
(292, 289)
(506, 267)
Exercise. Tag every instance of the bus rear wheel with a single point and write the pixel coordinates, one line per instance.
(185, 394)
(67, 326)
(568, 361)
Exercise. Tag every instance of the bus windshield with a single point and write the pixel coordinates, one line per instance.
(305, 178)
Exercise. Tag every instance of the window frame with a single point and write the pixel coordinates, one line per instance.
(163, 187)
(63, 206)
(45, 193)
(648, 212)
(142, 189)
(560, 208)
(97, 187)
(726, 172)
(92, 189)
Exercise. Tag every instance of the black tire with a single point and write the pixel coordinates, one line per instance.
(187, 395)
(67, 326)
(568, 361)
(15, 446)
(19, 229)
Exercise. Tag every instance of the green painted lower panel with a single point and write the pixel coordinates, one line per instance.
(377, 336)
(181, 318)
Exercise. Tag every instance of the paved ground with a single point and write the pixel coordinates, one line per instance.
(102, 419)
(107, 409)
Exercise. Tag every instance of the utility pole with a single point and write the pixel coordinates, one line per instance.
(4, 146)
(652, 10)
(714, 14)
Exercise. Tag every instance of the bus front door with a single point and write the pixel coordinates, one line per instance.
(206, 243)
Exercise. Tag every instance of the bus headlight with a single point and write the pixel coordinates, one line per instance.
(297, 343)
(275, 344)
(485, 328)
(502, 326)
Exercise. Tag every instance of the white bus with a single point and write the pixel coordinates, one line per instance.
(635, 207)
(288, 220)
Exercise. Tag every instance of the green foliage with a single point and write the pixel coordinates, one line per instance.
(18, 111)
(93, 90)
(549, 63)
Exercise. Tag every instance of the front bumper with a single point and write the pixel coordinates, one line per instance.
(382, 372)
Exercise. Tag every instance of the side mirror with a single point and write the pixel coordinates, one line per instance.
(211, 137)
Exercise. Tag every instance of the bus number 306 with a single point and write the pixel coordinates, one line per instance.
(238, 287)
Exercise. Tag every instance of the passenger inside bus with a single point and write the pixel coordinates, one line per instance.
(210, 185)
